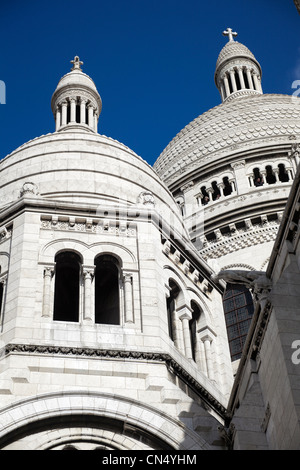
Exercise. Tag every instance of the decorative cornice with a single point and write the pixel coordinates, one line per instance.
(173, 366)
(215, 249)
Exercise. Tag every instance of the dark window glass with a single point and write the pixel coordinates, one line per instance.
(193, 327)
(107, 298)
(171, 306)
(66, 297)
(238, 310)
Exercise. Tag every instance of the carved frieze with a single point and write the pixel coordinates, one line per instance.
(87, 225)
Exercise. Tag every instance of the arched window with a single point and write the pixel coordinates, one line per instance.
(270, 177)
(171, 307)
(258, 180)
(205, 198)
(238, 310)
(193, 327)
(107, 295)
(227, 186)
(216, 192)
(67, 278)
(283, 174)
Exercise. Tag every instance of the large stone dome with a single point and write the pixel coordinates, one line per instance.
(246, 123)
(82, 168)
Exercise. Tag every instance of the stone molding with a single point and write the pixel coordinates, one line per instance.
(29, 412)
(234, 243)
(172, 365)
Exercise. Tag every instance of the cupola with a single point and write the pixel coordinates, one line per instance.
(76, 102)
(238, 73)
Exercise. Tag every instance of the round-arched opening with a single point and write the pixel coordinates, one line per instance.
(67, 280)
(238, 309)
(196, 312)
(107, 295)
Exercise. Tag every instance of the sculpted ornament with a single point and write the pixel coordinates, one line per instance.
(146, 198)
(256, 281)
(29, 190)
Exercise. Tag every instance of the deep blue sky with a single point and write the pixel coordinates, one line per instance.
(152, 61)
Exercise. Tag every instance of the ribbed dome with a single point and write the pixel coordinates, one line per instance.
(232, 50)
(76, 78)
(233, 126)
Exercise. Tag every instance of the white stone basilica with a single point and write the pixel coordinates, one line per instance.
(154, 308)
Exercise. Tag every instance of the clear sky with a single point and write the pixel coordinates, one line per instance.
(153, 62)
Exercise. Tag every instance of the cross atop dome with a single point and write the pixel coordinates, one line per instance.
(230, 34)
(76, 63)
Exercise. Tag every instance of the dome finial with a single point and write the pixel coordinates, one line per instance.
(230, 34)
(76, 63)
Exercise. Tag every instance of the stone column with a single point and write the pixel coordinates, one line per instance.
(176, 334)
(263, 175)
(290, 173)
(232, 184)
(185, 316)
(232, 78)
(241, 77)
(221, 188)
(95, 122)
(255, 81)
(249, 77)
(57, 118)
(209, 192)
(83, 111)
(206, 338)
(201, 361)
(73, 110)
(88, 275)
(276, 173)
(91, 115)
(226, 84)
(223, 95)
(64, 113)
(129, 318)
(48, 274)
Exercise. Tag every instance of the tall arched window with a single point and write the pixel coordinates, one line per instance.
(270, 177)
(107, 292)
(283, 175)
(67, 278)
(193, 327)
(227, 186)
(216, 192)
(258, 180)
(238, 310)
(171, 307)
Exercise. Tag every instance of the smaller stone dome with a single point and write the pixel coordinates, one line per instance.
(76, 101)
(76, 78)
(232, 50)
(238, 73)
